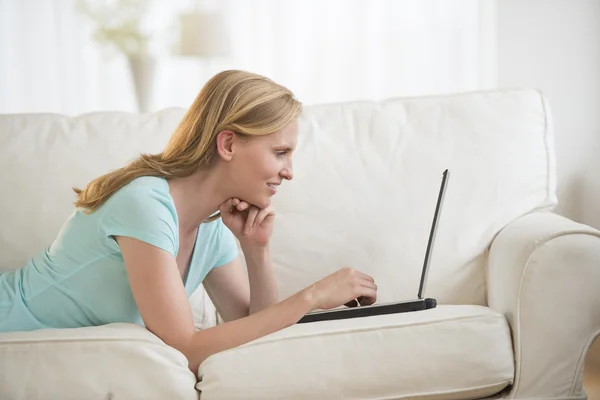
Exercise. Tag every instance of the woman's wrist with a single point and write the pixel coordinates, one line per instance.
(310, 297)
(263, 286)
(255, 255)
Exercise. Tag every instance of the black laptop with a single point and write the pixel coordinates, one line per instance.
(420, 303)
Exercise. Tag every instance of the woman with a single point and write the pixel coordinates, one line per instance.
(142, 238)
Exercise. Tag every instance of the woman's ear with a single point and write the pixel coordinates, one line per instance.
(226, 145)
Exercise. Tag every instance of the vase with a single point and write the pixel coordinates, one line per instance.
(143, 69)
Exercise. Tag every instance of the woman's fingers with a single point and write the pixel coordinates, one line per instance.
(262, 215)
(368, 284)
(366, 292)
(368, 298)
(227, 206)
(353, 302)
(242, 205)
(366, 277)
(252, 213)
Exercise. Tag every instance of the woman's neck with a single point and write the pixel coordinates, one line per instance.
(196, 198)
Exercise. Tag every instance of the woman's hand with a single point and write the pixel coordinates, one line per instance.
(343, 287)
(250, 224)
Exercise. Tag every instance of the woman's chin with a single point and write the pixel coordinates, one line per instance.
(258, 201)
(266, 202)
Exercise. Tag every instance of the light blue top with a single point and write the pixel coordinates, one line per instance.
(80, 280)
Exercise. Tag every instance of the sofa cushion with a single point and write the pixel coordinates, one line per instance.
(120, 361)
(451, 352)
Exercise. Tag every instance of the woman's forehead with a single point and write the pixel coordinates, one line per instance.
(286, 136)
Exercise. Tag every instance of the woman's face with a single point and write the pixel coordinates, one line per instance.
(258, 165)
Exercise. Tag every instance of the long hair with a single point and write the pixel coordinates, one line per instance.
(240, 101)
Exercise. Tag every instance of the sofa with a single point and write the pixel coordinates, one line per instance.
(517, 285)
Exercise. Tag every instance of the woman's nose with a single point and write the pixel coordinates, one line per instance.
(287, 173)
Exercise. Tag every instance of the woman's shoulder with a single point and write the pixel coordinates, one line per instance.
(143, 201)
(147, 192)
(142, 209)
(146, 184)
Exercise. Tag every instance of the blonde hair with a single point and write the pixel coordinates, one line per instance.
(240, 101)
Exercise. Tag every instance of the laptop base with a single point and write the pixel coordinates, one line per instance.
(368, 311)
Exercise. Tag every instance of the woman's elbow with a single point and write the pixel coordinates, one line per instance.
(196, 351)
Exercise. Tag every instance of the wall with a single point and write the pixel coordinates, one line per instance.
(554, 45)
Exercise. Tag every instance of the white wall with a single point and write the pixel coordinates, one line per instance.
(554, 45)
(324, 51)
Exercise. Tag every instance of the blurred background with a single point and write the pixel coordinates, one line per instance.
(80, 56)
(74, 56)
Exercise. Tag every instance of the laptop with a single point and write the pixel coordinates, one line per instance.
(418, 304)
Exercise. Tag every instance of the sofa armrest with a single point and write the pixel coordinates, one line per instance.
(543, 274)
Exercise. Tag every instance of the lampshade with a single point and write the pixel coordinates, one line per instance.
(203, 34)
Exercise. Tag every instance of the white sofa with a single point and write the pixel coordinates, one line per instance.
(518, 286)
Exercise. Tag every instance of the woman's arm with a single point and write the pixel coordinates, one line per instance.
(237, 294)
(228, 289)
(163, 304)
(263, 287)
(234, 293)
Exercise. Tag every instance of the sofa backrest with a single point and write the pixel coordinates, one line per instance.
(366, 180)
(43, 156)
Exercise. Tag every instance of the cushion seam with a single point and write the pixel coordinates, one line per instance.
(73, 340)
(444, 392)
(546, 146)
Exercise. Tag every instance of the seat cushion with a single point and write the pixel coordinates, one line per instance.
(450, 352)
(116, 361)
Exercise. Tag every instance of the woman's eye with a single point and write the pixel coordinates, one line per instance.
(281, 154)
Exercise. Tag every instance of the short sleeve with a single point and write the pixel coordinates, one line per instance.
(228, 246)
(145, 213)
